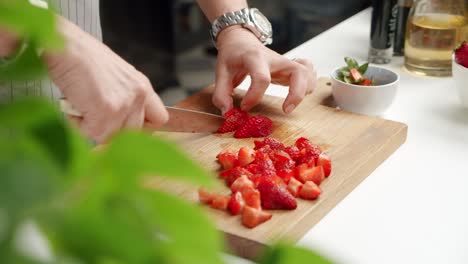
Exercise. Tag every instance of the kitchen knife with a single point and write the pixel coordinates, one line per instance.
(180, 120)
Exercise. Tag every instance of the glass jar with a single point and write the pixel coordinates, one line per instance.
(435, 28)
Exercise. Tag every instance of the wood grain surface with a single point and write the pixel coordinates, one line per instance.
(357, 144)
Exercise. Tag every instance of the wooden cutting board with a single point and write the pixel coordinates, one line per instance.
(357, 144)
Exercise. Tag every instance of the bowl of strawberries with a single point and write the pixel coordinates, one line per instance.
(460, 72)
(364, 89)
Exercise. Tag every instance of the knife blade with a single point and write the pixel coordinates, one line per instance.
(180, 120)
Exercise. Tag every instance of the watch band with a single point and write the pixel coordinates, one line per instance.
(229, 19)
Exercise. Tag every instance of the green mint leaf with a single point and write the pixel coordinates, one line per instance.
(352, 63)
(347, 79)
(363, 68)
(286, 254)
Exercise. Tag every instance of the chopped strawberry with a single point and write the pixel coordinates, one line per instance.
(461, 54)
(303, 143)
(269, 141)
(294, 187)
(315, 174)
(356, 75)
(246, 156)
(235, 173)
(251, 197)
(283, 162)
(235, 118)
(252, 168)
(252, 217)
(309, 191)
(256, 126)
(236, 203)
(205, 196)
(325, 162)
(241, 183)
(228, 159)
(286, 175)
(275, 196)
(220, 201)
(365, 82)
(266, 167)
(293, 152)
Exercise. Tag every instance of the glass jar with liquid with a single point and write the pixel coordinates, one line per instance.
(435, 28)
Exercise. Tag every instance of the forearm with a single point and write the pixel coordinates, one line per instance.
(215, 8)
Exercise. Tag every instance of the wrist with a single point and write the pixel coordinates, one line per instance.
(234, 33)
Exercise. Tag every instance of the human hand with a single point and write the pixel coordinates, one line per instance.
(241, 54)
(8, 43)
(110, 93)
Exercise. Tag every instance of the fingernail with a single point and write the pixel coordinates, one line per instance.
(290, 108)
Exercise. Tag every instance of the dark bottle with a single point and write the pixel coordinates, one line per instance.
(383, 26)
(403, 7)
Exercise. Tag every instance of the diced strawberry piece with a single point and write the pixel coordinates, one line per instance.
(252, 217)
(283, 162)
(356, 75)
(461, 54)
(241, 183)
(303, 143)
(252, 168)
(235, 118)
(311, 163)
(256, 126)
(205, 196)
(314, 174)
(325, 162)
(246, 156)
(309, 191)
(293, 152)
(227, 159)
(235, 173)
(285, 175)
(251, 197)
(220, 201)
(273, 143)
(294, 187)
(236, 203)
(365, 82)
(275, 196)
(266, 168)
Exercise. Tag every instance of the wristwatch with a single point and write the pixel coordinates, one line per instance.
(250, 18)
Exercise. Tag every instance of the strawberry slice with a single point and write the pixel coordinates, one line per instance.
(310, 191)
(356, 75)
(256, 126)
(227, 159)
(205, 196)
(325, 162)
(235, 118)
(303, 143)
(293, 152)
(269, 141)
(220, 201)
(315, 174)
(246, 156)
(274, 195)
(286, 175)
(252, 217)
(461, 54)
(240, 183)
(294, 187)
(236, 203)
(251, 197)
(231, 175)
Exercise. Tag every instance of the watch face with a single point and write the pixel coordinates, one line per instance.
(261, 21)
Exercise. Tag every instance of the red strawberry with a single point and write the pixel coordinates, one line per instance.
(294, 187)
(241, 183)
(252, 217)
(293, 152)
(251, 197)
(220, 201)
(315, 174)
(253, 168)
(205, 196)
(228, 159)
(235, 173)
(275, 196)
(236, 203)
(461, 54)
(246, 156)
(286, 175)
(265, 167)
(268, 141)
(283, 162)
(325, 162)
(234, 119)
(303, 143)
(256, 126)
(309, 191)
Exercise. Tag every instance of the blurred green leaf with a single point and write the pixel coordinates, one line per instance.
(347, 79)
(363, 68)
(352, 63)
(287, 254)
(131, 155)
(27, 66)
(191, 238)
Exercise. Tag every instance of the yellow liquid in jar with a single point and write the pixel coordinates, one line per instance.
(430, 41)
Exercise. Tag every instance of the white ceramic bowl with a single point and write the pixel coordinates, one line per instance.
(368, 100)
(460, 78)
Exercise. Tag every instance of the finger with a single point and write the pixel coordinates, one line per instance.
(75, 121)
(298, 81)
(136, 118)
(101, 127)
(222, 96)
(259, 72)
(312, 81)
(155, 113)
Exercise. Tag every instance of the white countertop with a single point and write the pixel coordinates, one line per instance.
(414, 207)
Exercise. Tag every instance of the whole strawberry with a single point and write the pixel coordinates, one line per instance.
(461, 54)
